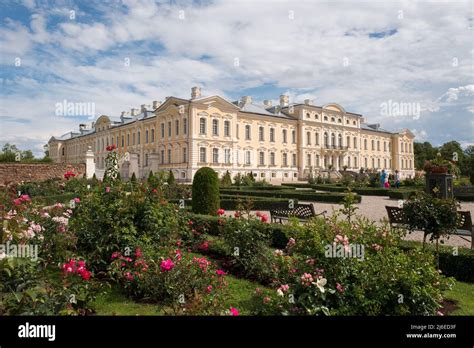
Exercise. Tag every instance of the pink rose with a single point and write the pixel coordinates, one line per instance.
(166, 265)
(234, 311)
(220, 211)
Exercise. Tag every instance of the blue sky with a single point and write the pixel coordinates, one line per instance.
(367, 56)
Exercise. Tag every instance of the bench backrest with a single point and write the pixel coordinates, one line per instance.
(464, 220)
(395, 215)
(301, 211)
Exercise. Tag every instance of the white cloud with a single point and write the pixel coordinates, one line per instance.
(324, 53)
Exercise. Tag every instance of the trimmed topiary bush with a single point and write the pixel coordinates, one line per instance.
(205, 192)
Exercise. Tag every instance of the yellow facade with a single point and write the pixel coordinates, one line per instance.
(285, 142)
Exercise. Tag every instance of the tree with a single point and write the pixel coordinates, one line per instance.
(205, 192)
(226, 180)
(171, 179)
(423, 152)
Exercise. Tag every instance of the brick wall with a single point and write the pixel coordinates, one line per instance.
(17, 172)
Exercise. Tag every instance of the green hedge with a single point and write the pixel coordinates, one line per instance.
(300, 195)
(279, 232)
(459, 266)
(53, 199)
(401, 194)
(258, 188)
(464, 197)
(229, 202)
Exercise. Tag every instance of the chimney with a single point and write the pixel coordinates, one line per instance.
(82, 127)
(143, 108)
(123, 114)
(156, 104)
(308, 102)
(245, 100)
(133, 112)
(267, 103)
(284, 100)
(195, 92)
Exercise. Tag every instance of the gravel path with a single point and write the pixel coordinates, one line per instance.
(373, 207)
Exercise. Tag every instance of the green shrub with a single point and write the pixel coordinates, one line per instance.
(226, 180)
(205, 192)
(246, 241)
(299, 195)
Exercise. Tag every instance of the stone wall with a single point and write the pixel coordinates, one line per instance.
(17, 172)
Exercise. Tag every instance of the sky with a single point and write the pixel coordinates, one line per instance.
(403, 64)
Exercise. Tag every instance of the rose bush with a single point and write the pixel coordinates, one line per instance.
(182, 282)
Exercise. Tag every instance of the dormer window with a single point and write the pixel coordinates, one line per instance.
(333, 119)
(308, 115)
(339, 120)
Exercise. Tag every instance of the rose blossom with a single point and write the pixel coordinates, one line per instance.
(166, 265)
(220, 211)
(234, 311)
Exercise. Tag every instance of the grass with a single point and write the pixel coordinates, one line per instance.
(114, 302)
(463, 295)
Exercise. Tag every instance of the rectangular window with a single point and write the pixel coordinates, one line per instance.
(227, 128)
(247, 132)
(237, 131)
(284, 136)
(202, 126)
(169, 155)
(153, 135)
(177, 127)
(202, 155)
(215, 155)
(162, 159)
(123, 141)
(169, 128)
(285, 159)
(317, 139)
(272, 135)
(308, 160)
(293, 136)
(185, 126)
(260, 134)
(247, 157)
(227, 156)
(215, 127)
(138, 138)
(185, 154)
(261, 158)
(272, 158)
(128, 139)
(293, 160)
(146, 136)
(355, 143)
(162, 130)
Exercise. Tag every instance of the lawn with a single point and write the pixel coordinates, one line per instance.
(113, 302)
(463, 296)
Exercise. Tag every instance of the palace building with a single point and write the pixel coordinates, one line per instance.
(284, 142)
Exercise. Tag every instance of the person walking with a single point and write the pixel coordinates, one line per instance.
(383, 175)
(397, 179)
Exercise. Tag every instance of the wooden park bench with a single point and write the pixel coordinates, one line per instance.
(465, 229)
(303, 212)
